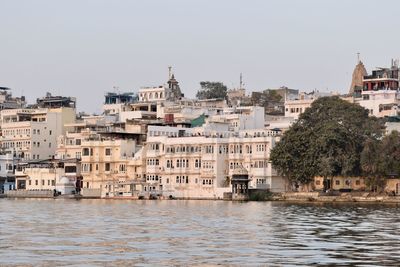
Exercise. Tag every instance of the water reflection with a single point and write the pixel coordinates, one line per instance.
(119, 233)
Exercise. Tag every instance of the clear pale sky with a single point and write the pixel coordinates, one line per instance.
(83, 48)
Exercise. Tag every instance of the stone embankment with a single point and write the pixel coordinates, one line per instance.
(29, 194)
(338, 197)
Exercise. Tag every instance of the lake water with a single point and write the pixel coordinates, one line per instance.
(50, 232)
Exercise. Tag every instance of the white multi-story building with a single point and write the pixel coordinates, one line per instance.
(380, 103)
(193, 163)
(32, 133)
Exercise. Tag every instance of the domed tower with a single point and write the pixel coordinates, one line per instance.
(357, 79)
(173, 85)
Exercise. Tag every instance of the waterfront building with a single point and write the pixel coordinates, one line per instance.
(50, 175)
(200, 162)
(104, 162)
(7, 167)
(32, 133)
(340, 183)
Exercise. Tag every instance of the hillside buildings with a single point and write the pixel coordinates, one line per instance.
(157, 143)
(377, 92)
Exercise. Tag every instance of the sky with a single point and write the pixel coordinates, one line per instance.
(84, 48)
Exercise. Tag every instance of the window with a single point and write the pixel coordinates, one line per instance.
(122, 168)
(357, 182)
(36, 182)
(85, 151)
(49, 144)
(50, 132)
(107, 167)
(197, 163)
(317, 182)
(78, 142)
(337, 182)
(108, 152)
(70, 169)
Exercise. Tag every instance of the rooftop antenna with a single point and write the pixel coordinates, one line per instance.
(241, 81)
(358, 57)
(169, 72)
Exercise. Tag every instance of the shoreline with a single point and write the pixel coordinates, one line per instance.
(292, 198)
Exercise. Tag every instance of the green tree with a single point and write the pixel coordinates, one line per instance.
(380, 159)
(370, 163)
(326, 140)
(210, 90)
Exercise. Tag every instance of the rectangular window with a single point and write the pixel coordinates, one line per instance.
(85, 151)
(107, 167)
(70, 169)
(108, 152)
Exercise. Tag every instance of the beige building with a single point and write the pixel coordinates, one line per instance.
(104, 163)
(47, 175)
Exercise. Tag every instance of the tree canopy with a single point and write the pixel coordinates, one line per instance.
(326, 140)
(210, 90)
(381, 159)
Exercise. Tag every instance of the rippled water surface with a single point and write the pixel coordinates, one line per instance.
(147, 233)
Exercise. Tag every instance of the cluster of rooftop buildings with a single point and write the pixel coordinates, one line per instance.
(157, 143)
